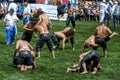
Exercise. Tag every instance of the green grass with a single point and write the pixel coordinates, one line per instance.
(55, 69)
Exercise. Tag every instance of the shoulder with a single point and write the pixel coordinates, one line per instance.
(59, 33)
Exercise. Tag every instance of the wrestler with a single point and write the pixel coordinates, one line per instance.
(24, 56)
(64, 35)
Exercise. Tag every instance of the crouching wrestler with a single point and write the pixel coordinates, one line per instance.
(89, 61)
(64, 35)
(96, 42)
(24, 56)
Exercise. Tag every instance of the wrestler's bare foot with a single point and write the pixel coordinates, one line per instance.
(105, 56)
(75, 66)
(68, 70)
(94, 72)
(73, 49)
(23, 68)
(38, 55)
(84, 72)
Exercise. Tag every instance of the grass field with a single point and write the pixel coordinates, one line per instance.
(55, 69)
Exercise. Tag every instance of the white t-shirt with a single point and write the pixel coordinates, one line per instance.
(27, 9)
(10, 20)
(102, 7)
(14, 6)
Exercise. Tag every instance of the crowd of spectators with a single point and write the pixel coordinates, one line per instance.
(85, 10)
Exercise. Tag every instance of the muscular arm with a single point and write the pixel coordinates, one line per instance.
(109, 31)
(63, 43)
(16, 49)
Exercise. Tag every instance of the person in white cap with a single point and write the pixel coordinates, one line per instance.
(10, 22)
(14, 6)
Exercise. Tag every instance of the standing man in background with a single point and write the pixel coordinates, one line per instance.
(70, 11)
(10, 22)
(102, 11)
(15, 7)
(116, 15)
(26, 13)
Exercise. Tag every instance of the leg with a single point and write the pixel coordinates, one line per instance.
(60, 16)
(105, 53)
(8, 36)
(71, 70)
(55, 41)
(99, 66)
(28, 67)
(84, 67)
(115, 22)
(53, 53)
(73, 22)
(49, 45)
(72, 42)
(94, 70)
(67, 21)
(82, 56)
(108, 20)
(13, 31)
(39, 45)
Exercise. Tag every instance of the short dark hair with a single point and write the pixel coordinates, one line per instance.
(86, 45)
(71, 31)
(69, 4)
(34, 18)
(103, 22)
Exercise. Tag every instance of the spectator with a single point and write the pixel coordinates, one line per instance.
(26, 13)
(4, 5)
(102, 10)
(1, 12)
(14, 6)
(116, 15)
(77, 13)
(19, 12)
(70, 11)
(48, 2)
(108, 13)
(60, 9)
(10, 22)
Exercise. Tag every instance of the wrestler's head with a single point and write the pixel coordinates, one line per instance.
(86, 45)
